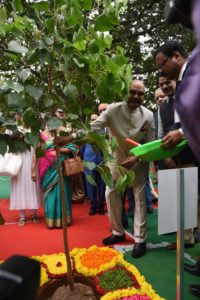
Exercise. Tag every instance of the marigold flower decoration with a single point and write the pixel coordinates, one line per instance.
(93, 260)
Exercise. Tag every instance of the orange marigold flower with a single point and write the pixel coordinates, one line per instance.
(96, 258)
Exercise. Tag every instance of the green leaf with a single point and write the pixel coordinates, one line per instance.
(34, 92)
(3, 147)
(121, 183)
(80, 45)
(41, 6)
(3, 15)
(93, 47)
(13, 99)
(106, 22)
(114, 143)
(90, 165)
(31, 139)
(20, 146)
(17, 87)
(108, 40)
(87, 4)
(39, 152)
(112, 66)
(70, 91)
(23, 74)
(120, 60)
(31, 121)
(16, 47)
(90, 179)
(54, 123)
(18, 5)
(106, 175)
(80, 65)
(48, 102)
(74, 17)
(72, 116)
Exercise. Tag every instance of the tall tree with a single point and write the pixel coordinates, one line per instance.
(141, 31)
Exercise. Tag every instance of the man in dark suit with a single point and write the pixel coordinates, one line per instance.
(186, 12)
(172, 60)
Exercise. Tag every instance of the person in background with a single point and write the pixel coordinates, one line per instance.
(95, 194)
(24, 193)
(160, 97)
(49, 179)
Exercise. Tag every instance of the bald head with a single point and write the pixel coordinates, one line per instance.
(102, 107)
(136, 94)
(93, 118)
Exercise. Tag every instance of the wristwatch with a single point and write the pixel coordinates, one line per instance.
(181, 132)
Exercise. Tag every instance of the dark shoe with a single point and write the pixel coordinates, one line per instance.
(101, 212)
(193, 269)
(197, 264)
(196, 236)
(150, 210)
(22, 221)
(195, 289)
(155, 200)
(173, 246)
(139, 250)
(125, 223)
(92, 212)
(114, 239)
(34, 219)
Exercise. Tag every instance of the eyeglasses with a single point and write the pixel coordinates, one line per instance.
(134, 92)
(100, 111)
(60, 111)
(161, 65)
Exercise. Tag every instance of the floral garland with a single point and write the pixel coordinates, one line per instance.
(94, 262)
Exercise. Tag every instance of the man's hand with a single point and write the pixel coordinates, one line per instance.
(64, 140)
(129, 161)
(169, 163)
(171, 139)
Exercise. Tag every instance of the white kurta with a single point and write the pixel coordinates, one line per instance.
(24, 193)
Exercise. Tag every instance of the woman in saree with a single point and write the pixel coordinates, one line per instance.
(49, 180)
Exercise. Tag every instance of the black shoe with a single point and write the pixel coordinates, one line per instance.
(114, 239)
(173, 246)
(92, 213)
(101, 212)
(193, 269)
(125, 223)
(138, 250)
(196, 234)
(155, 200)
(195, 289)
(197, 264)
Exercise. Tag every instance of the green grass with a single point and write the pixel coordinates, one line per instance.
(158, 265)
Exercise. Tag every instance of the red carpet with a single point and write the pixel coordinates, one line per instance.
(36, 239)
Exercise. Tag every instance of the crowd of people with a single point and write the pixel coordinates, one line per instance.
(133, 121)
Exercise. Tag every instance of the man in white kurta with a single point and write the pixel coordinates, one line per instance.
(128, 120)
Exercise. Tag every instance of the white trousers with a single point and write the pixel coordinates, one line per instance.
(114, 203)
